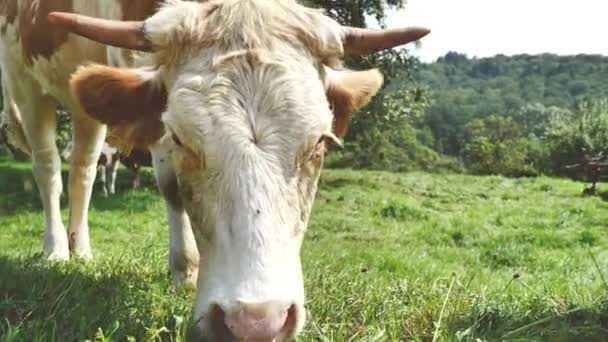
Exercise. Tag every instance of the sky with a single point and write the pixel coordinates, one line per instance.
(484, 28)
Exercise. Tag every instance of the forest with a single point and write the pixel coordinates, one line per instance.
(513, 115)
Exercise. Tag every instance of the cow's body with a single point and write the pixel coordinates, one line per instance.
(37, 61)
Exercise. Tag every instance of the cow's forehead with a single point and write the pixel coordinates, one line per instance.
(270, 104)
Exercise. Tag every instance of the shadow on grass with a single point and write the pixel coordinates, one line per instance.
(72, 301)
(603, 195)
(19, 192)
(125, 197)
(340, 183)
(584, 324)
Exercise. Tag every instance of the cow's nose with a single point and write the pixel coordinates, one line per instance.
(265, 321)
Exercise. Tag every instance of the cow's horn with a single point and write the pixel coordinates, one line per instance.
(123, 34)
(364, 41)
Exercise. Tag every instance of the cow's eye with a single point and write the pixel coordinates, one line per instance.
(321, 146)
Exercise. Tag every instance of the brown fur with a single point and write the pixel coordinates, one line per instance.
(8, 10)
(350, 93)
(124, 100)
(38, 37)
(139, 9)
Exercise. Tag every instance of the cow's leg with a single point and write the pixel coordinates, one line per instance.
(112, 171)
(39, 120)
(103, 180)
(88, 141)
(183, 252)
(137, 179)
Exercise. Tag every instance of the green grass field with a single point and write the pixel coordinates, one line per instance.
(387, 257)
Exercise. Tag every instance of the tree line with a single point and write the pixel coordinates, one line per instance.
(521, 115)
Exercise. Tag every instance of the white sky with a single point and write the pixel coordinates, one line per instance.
(488, 27)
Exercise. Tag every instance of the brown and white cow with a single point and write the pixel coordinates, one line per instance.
(37, 61)
(236, 101)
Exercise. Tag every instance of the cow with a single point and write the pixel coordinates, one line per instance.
(37, 61)
(236, 100)
(109, 161)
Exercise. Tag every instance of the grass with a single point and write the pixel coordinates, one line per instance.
(387, 257)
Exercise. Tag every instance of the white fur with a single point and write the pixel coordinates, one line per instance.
(183, 252)
(248, 120)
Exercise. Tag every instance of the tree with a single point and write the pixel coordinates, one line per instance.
(530, 88)
(498, 145)
(580, 136)
(385, 134)
(353, 12)
(537, 118)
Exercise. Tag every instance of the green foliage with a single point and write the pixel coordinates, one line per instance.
(354, 12)
(516, 115)
(378, 259)
(579, 136)
(537, 119)
(529, 88)
(64, 129)
(496, 145)
(386, 134)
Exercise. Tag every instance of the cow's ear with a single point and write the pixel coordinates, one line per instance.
(129, 101)
(349, 91)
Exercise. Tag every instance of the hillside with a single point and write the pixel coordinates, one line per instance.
(463, 88)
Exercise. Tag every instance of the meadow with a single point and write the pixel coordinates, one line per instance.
(387, 257)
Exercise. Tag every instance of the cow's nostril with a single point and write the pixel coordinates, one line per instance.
(219, 329)
(267, 321)
(291, 323)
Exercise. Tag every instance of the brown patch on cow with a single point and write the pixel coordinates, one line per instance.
(139, 9)
(140, 134)
(350, 92)
(124, 100)
(8, 10)
(38, 37)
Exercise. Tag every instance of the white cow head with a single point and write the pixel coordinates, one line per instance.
(249, 93)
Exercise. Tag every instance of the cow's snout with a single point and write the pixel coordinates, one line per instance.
(260, 322)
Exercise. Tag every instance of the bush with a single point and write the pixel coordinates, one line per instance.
(497, 145)
(577, 138)
(387, 136)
